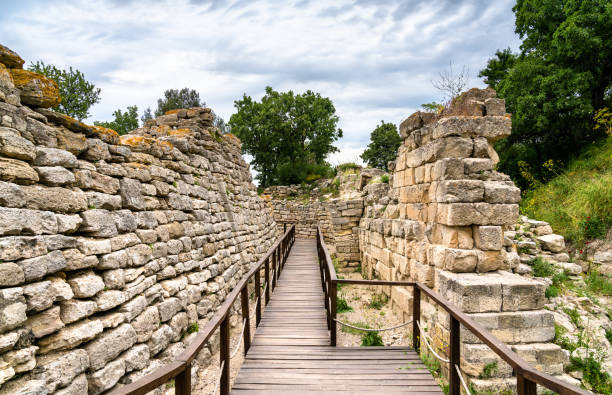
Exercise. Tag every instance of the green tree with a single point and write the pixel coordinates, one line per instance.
(124, 121)
(146, 115)
(289, 135)
(384, 142)
(176, 99)
(78, 94)
(554, 86)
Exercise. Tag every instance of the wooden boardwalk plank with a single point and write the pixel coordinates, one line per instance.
(290, 351)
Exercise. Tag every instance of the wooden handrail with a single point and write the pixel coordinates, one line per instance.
(527, 377)
(180, 369)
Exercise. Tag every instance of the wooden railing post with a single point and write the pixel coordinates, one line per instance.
(244, 298)
(182, 382)
(525, 386)
(224, 356)
(333, 291)
(454, 357)
(258, 296)
(416, 317)
(267, 276)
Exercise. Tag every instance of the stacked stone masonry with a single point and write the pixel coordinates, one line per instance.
(443, 225)
(112, 246)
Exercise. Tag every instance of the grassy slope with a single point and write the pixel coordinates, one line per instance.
(578, 202)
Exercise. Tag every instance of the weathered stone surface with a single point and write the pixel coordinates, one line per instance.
(554, 243)
(54, 199)
(106, 300)
(16, 221)
(71, 336)
(16, 247)
(11, 195)
(54, 157)
(37, 268)
(488, 237)
(21, 360)
(12, 316)
(68, 223)
(46, 322)
(77, 386)
(131, 196)
(11, 274)
(9, 58)
(59, 369)
(12, 145)
(17, 171)
(109, 345)
(94, 246)
(98, 223)
(146, 323)
(55, 176)
(73, 310)
(76, 260)
(85, 285)
(106, 377)
(35, 89)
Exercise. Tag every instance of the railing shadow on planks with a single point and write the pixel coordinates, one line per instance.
(527, 377)
(180, 370)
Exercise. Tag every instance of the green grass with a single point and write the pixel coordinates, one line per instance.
(371, 339)
(378, 301)
(342, 305)
(593, 373)
(598, 283)
(578, 202)
(488, 370)
(354, 331)
(541, 268)
(193, 328)
(347, 166)
(384, 178)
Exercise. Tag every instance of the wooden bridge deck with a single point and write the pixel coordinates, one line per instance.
(290, 352)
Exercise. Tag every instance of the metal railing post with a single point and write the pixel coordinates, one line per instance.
(258, 296)
(333, 291)
(246, 316)
(182, 382)
(454, 357)
(416, 317)
(224, 356)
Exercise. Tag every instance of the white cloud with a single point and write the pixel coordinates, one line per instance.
(374, 59)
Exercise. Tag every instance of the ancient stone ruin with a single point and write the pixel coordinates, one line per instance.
(111, 246)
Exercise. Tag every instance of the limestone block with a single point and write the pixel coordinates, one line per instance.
(17, 171)
(160, 339)
(12, 316)
(489, 261)
(552, 242)
(130, 191)
(86, 284)
(45, 323)
(35, 89)
(11, 195)
(54, 199)
(54, 157)
(134, 307)
(71, 336)
(21, 360)
(488, 237)
(493, 128)
(40, 295)
(11, 274)
(103, 201)
(455, 237)
(10, 58)
(73, 310)
(16, 221)
(515, 327)
(471, 292)
(109, 345)
(55, 176)
(106, 300)
(106, 377)
(136, 358)
(12, 145)
(546, 357)
(495, 107)
(77, 386)
(6, 372)
(98, 223)
(37, 268)
(87, 179)
(96, 150)
(501, 192)
(168, 308)
(477, 165)
(94, 246)
(146, 323)
(17, 247)
(454, 191)
(68, 223)
(463, 214)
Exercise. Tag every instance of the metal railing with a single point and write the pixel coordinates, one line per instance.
(180, 370)
(527, 377)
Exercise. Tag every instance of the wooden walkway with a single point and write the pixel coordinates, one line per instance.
(290, 352)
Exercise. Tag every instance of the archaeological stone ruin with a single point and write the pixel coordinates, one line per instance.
(111, 246)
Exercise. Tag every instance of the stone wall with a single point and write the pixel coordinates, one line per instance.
(111, 247)
(443, 224)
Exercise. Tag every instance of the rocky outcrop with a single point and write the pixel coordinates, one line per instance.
(112, 246)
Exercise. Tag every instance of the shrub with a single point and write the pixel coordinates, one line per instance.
(371, 339)
(194, 327)
(384, 178)
(342, 305)
(541, 268)
(598, 283)
(378, 301)
(593, 373)
(488, 370)
(347, 166)
(551, 291)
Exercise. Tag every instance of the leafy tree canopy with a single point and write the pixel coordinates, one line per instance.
(554, 86)
(384, 142)
(78, 94)
(288, 134)
(124, 121)
(176, 99)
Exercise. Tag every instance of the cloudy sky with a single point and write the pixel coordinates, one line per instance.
(374, 58)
